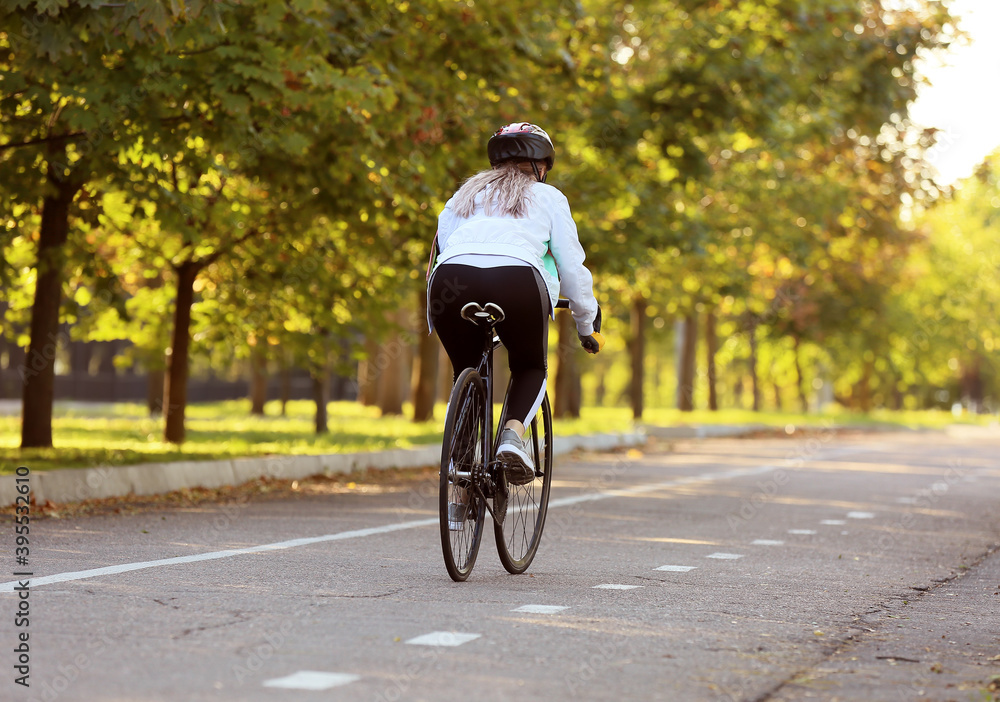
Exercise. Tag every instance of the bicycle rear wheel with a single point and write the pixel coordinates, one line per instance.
(461, 507)
(518, 536)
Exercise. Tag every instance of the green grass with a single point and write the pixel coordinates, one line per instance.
(906, 419)
(123, 434)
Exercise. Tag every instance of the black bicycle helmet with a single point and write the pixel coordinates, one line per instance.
(520, 141)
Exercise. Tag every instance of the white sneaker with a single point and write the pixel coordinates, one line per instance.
(456, 515)
(458, 511)
(516, 458)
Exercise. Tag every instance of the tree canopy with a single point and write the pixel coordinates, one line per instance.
(261, 179)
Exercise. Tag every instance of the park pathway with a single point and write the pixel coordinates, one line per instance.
(826, 566)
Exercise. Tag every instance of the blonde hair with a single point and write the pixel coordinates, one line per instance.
(506, 191)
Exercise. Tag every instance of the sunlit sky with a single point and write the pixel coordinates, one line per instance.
(964, 96)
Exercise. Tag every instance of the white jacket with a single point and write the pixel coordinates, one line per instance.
(548, 228)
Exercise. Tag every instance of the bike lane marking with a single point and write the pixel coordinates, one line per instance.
(540, 609)
(443, 638)
(277, 546)
(616, 586)
(388, 528)
(311, 680)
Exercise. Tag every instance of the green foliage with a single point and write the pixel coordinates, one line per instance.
(746, 157)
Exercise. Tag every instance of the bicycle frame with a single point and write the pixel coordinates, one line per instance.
(485, 370)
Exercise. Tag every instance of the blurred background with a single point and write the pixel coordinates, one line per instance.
(790, 209)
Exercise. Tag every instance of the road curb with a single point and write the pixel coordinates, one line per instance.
(705, 431)
(77, 484)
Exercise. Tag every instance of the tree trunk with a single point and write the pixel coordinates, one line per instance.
(711, 348)
(154, 392)
(864, 387)
(973, 389)
(777, 395)
(568, 400)
(601, 390)
(685, 384)
(38, 371)
(369, 375)
(637, 352)
(258, 377)
(426, 372)
(286, 384)
(799, 380)
(754, 383)
(175, 390)
(393, 362)
(321, 396)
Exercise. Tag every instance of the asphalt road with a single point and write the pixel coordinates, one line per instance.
(828, 567)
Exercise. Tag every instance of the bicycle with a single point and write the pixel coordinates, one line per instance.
(471, 487)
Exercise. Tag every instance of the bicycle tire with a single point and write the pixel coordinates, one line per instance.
(518, 536)
(463, 445)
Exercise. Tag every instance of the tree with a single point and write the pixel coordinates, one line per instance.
(69, 105)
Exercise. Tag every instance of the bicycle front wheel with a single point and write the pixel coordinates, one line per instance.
(518, 536)
(461, 506)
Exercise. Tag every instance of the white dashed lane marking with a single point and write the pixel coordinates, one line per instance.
(861, 515)
(388, 528)
(725, 556)
(539, 609)
(615, 586)
(443, 638)
(311, 680)
(767, 542)
(676, 568)
(833, 522)
(802, 532)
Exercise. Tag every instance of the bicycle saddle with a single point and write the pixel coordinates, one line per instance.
(476, 313)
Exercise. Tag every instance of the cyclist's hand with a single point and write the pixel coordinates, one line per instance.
(593, 343)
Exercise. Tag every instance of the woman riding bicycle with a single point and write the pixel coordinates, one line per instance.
(508, 238)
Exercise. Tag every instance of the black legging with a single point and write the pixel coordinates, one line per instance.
(521, 294)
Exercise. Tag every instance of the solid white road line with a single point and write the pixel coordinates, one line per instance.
(654, 487)
(359, 533)
(311, 680)
(278, 546)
